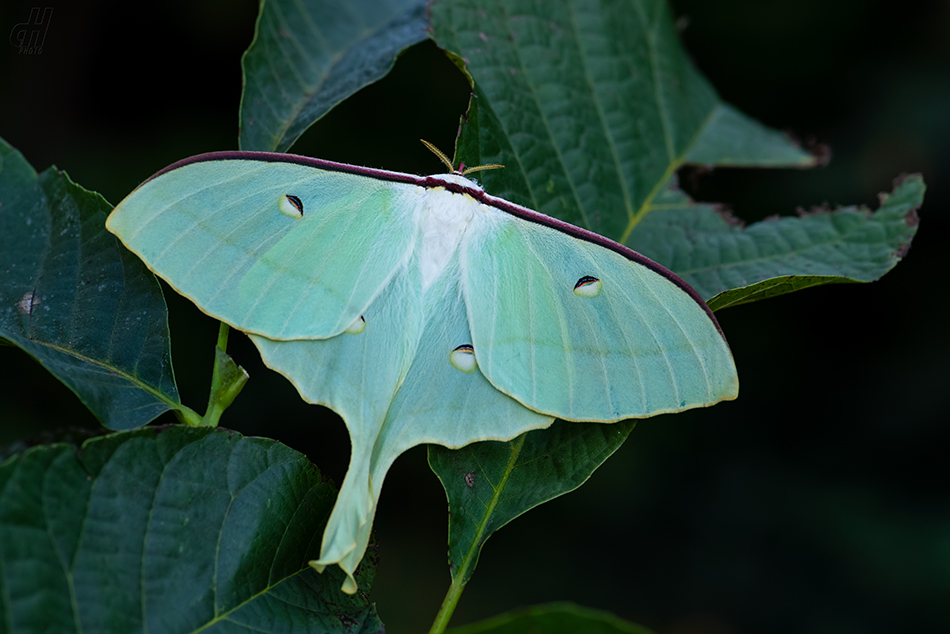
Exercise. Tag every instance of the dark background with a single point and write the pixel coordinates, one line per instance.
(817, 502)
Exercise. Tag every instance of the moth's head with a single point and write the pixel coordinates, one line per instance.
(458, 179)
(458, 175)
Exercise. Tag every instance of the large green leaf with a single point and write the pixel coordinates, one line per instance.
(591, 106)
(729, 264)
(307, 56)
(77, 301)
(491, 483)
(554, 618)
(169, 530)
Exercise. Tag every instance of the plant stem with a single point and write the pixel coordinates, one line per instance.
(448, 604)
(188, 416)
(215, 407)
(460, 578)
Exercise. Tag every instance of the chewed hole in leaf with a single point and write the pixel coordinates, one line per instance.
(588, 286)
(463, 358)
(290, 206)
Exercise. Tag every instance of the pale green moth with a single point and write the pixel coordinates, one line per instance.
(422, 309)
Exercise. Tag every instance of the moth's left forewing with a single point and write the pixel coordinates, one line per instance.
(281, 246)
(573, 328)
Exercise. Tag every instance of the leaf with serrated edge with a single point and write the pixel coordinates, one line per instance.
(591, 107)
(77, 301)
(730, 265)
(169, 530)
(491, 483)
(308, 56)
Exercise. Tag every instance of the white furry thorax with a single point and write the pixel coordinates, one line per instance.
(445, 217)
(458, 179)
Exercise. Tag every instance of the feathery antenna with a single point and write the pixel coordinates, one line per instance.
(440, 154)
(448, 163)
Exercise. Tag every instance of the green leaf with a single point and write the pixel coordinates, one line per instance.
(77, 301)
(307, 56)
(227, 380)
(729, 138)
(592, 110)
(169, 530)
(554, 618)
(233, 378)
(730, 265)
(591, 107)
(491, 483)
(71, 435)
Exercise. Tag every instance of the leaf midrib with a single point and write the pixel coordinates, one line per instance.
(843, 237)
(482, 527)
(108, 369)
